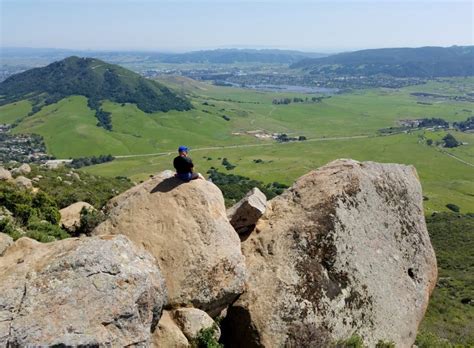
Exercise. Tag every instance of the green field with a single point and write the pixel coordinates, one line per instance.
(69, 129)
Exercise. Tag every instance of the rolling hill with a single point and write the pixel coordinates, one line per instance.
(396, 62)
(94, 79)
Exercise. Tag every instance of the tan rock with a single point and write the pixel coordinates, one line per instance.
(98, 291)
(23, 182)
(5, 242)
(345, 250)
(22, 170)
(168, 334)
(192, 320)
(5, 174)
(184, 225)
(71, 215)
(244, 215)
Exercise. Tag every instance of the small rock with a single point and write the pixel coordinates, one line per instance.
(168, 334)
(23, 182)
(59, 178)
(5, 242)
(192, 320)
(76, 176)
(68, 183)
(244, 215)
(5, 174)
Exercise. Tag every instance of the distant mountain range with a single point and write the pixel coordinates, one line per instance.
(94, 79)
(218, 56)
(396, 62)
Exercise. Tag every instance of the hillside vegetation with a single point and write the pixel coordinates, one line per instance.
(94, 79)
(397, 62)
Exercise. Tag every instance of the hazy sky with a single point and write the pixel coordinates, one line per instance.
(198, 24)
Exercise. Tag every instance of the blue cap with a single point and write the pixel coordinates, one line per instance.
(183, 148)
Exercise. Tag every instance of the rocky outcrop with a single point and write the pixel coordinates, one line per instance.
(5, 174)
(5, 242)
(22, 170)
(192, 320)
(345, 250)
(184, 225)
(23, 182)
(244, 215)
(99, 291)
(168, 334)
(71, 215)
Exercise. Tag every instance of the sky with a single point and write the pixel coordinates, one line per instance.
(183, 25)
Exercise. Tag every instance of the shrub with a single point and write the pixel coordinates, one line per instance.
(206, 338)
(45, 232)
(383, 344)
(429, 340)
(453, 207)
(89, 220)
(354, 341)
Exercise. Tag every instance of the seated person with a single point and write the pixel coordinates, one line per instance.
(184, 166)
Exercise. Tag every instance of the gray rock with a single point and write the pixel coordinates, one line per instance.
(184, 225)
(5, 242)
(244, 215)
(192, 320)
(345, 250)
(100, 291)
(5, 174)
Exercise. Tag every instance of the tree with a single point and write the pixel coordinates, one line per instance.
(450, 141)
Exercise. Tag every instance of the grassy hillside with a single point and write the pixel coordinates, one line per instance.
(450, 315)
(398, 62)
(94, 79)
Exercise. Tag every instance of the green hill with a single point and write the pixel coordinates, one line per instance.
(397, 62)
(94, 79)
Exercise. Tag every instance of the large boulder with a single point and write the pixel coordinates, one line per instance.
(5, 174)
(71, 215)
(345, 250)
(244, 215)
(99, 291)
(184, 225)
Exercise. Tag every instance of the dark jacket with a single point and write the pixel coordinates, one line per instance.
(183, 165)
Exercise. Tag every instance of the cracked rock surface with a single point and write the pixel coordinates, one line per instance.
(89, 291)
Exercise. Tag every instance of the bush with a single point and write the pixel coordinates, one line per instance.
(45, 232)
(206, 338)
(354, 341)
(89, 220)
(383, 344)
(453, 207)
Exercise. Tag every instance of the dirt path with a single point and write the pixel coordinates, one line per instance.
(210, 148)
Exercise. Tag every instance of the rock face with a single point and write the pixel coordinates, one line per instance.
(71, 215)
(5, 242)
(244, 215)
(23, 182)
(5, 174)
(79, 292)
(184, 225)
(345, 250)
(191, 321)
